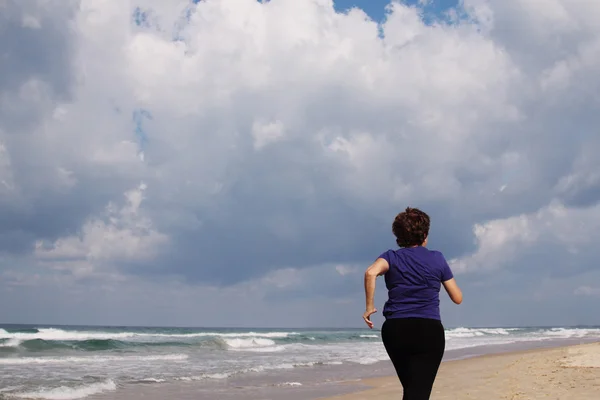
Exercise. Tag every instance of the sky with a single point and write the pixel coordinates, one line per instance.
(238, 163)
(376, 9)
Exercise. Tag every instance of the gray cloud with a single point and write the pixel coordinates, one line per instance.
(36, 61)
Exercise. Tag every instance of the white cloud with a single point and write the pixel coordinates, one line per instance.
(322, 72)
(265, 133)
(587, 291)
(32, 22)
(124, 234)
(345, 269)
(558, 234)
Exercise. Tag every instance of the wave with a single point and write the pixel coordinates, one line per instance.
(60, 334)
(573, 332)
(475, 332)
(288, 384)
(11, 343)
(256, 369)
(239, 344)
(84, 345)
(148, 380)
(68, 335)
(530, 333)
(256, 345)
(89, 360)
(40, 340)
(55, 339)
(220, 375)
(20, 330)
(69, 393)
(463, 338)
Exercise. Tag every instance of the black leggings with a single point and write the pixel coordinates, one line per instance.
(416, 347)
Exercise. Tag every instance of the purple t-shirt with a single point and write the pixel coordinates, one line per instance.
(414, 281)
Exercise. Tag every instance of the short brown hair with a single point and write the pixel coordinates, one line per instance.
(411, 227)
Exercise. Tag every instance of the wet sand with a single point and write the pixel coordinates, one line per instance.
(565, 373)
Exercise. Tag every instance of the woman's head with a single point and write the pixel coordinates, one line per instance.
(411, 227)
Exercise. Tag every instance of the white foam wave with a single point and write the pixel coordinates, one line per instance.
(218, 375)
(90, 360)
(274, 349)
(10, 388)
(369, 360)
(69, 393)
(11, 343)
(256, 369)
(462, 338)
(148, 380)
(274, 335)
(549, 333)
(59, 334)
(568, 333)
(369, 336)
(53, 334)
(221, 375)
(303, 364)
(250, 344)
(475, 332)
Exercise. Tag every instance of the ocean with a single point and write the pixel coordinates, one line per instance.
(74, 362)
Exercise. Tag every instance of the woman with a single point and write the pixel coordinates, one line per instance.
(413, 334)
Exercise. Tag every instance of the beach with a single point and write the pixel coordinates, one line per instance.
(569, 373)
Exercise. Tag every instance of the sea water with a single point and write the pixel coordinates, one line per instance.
(70, 362)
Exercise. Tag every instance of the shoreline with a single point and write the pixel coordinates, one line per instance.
(293, 375)
(561, 372)
(358, 382)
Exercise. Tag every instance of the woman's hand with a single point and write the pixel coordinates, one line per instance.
(367, 317)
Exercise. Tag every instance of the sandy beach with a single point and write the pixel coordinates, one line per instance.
(565, 373)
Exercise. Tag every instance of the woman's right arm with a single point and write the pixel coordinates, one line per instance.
(379, 267)
(453, 291)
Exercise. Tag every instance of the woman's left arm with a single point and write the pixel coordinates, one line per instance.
(379, 267)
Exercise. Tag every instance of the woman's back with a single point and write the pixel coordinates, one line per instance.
(413, 281)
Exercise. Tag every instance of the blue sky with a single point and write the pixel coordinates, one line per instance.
(248, 173)
(376, 8)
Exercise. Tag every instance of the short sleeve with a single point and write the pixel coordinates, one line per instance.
(446, 271)
(386, 256)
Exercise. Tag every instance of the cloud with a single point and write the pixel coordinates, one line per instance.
(555, 237)
(277, 140)
(265, 133)
(345, 269)
(587, 291)
(123, 235)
